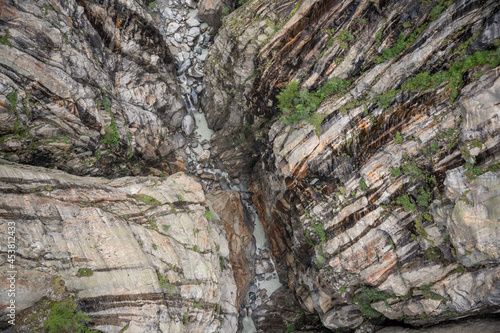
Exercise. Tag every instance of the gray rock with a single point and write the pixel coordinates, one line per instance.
(192, 22)
(185, 65)
(188, 124)
(194, 32)
(172, 28)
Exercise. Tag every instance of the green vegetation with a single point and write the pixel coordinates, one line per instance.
(165, 227)
(404, 200)
(296, 105)
(111, 134)
(385, 100)
(106, 103)
(390, 52)
(428, 294)
(196, 249)
(222, 263)
(85, 272)
(396, 172)
(368, 296)
(180, 197)
(208, 214)
(398, 138)
(454, 75)
(152, 223)
(411, 169)
(147, 199)
(345, 36)
(362, 184)
(431, 253)
(185, 319)
(64, 317)
(5, 38)
(225, 11)
(12, 97)
(423, 198)
(401, 44)
(165, 284)
(290, 328)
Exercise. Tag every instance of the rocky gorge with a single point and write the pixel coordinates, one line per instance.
(252, 166)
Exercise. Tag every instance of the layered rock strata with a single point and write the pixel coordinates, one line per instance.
(385, 210)
(137, 253)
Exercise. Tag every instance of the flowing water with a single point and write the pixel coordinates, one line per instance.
(189, 40)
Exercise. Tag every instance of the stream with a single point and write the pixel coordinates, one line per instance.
(188, 38)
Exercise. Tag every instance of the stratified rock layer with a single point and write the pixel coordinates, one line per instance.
(386, 208)
(89, 88)
(135, 252)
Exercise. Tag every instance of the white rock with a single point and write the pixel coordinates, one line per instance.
(172, 28)
(192, 22)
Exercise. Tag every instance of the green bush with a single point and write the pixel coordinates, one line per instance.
(404, 200)
(64, 317)
(225, 11)
(85, 272)
(296, 105)
(362, 184)
(12, 97)
(208, 214)
(385, 100)
(396, 49)
(368, 296)
(111, 134)
(398, 138)
(5, 38)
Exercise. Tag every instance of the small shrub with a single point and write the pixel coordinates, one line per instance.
(196, 249)
(396, 172)
(5, 38)
(411, 169)
(185, 319)
(196, 305)
(406, 203)
(111, 134)
(208, 214)
(385, 100)
(435, 12)
(180, 197)
(398, 138)
(147, 199)
(362, 185)
(165, 227)
(368, 296)
(85, 272)
(423, 198)
(346, 36)
(64, 317)
(225, 11)
(12, 97)
(431, 253)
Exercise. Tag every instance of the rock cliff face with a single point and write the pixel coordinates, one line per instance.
(137, 253)
(88, 87)
(386, 209)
